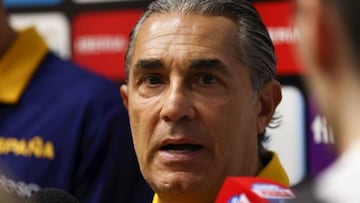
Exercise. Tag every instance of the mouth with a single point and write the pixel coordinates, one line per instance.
(181, 148)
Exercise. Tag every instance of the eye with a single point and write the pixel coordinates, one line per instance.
(150, 84)
(206, 79)
(152, 79)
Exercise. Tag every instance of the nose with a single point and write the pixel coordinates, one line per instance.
(177, 104)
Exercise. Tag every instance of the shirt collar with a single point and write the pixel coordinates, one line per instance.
(19, 64)
(273, 171)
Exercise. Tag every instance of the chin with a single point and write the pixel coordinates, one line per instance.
(181, 182)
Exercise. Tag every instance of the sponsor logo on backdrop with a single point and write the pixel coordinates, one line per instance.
(284, 35)
(100, 40)
(276, 16)
(322, 131)
(100, 44)
(320, 140)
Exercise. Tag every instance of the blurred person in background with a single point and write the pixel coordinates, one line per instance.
(201, 91)
(61, 126)
(330, 47)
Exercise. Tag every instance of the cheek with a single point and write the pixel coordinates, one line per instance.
(143, 116)
(138, 127)
(139, 111)
(233, 125)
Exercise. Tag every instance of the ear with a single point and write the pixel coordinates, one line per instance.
(124, 95)
(268, 99)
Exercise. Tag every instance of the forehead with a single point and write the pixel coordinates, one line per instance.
(186, 23)
(176, 35)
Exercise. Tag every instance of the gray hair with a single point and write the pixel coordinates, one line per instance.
(254, 47)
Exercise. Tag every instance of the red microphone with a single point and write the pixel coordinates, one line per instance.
(253, 190)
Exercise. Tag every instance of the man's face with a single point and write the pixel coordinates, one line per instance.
(192, 108)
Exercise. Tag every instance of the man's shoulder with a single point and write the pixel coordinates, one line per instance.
(72, 70)
(68, 77)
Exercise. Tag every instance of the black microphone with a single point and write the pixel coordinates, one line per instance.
(51, 195)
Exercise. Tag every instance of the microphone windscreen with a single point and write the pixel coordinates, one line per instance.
(52, 195)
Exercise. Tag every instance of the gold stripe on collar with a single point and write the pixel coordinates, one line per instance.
(19, 64)
(275, 171)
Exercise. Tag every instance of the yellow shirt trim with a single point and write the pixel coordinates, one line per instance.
(19, 64)
(155, 199)
(273, 171)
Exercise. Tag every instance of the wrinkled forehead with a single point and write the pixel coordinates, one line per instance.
(185, 43)
(186, 23)
(175, 29)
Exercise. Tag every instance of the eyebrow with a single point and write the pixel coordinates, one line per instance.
(209, 64)
(148, 64)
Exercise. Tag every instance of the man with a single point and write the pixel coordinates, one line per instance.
(201, 90)
(330, 49)
(61, 126)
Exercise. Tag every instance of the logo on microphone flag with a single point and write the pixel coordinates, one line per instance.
(253, 190)
(239, 199)
(270, 191)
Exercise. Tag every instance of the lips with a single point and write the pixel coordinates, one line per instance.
(181, 153)
(181, 147)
